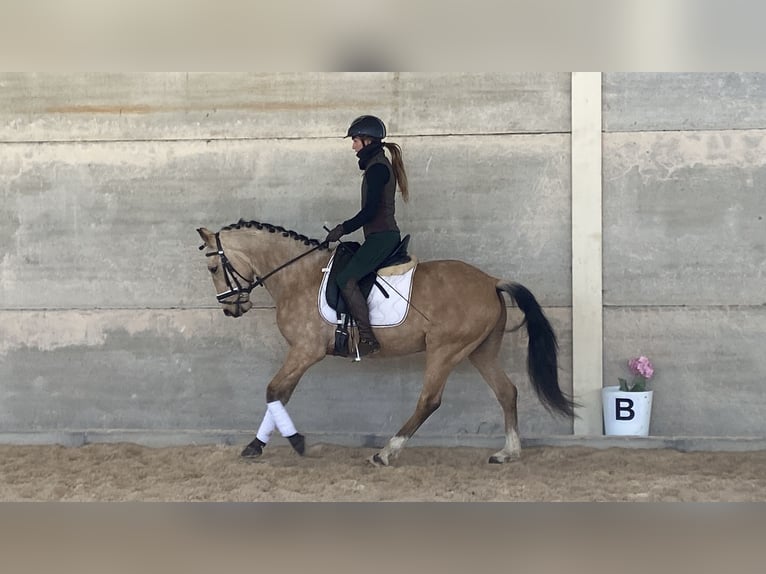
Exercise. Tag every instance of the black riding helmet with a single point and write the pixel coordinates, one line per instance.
(369, 126)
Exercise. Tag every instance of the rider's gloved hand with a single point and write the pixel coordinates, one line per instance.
(335, 234)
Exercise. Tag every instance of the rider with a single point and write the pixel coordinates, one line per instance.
(381, 234)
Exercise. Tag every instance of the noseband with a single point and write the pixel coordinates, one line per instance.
(232, 276)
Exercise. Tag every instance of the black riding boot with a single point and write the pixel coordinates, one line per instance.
(357, 305)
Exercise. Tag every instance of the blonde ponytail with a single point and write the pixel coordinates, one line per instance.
(398, 164)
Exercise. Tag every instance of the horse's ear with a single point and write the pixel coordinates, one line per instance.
(205, 234)
(207, 237)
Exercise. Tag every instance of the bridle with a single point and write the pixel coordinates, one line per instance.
(232, 276)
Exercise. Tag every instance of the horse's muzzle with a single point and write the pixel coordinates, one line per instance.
(237, 310)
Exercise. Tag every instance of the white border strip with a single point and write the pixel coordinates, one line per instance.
(587, 311)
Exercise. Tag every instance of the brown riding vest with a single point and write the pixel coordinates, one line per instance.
(384, 219)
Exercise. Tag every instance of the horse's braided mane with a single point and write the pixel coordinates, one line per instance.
(274, 229)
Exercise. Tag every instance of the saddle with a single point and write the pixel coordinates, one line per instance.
(343, 255)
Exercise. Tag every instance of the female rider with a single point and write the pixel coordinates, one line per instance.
(376, 217)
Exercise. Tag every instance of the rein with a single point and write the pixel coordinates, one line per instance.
(231, 275)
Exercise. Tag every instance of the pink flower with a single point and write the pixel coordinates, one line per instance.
(641, 366)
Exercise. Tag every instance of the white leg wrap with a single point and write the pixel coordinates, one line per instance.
(267, 427)
(281, 418)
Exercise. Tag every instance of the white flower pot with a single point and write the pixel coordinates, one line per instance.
(626, 413)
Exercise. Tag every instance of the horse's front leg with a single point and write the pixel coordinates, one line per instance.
(278, 393)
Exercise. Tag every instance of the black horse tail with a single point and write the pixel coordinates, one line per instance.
(542, 352)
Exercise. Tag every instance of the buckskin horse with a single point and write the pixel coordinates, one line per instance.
(461, 314)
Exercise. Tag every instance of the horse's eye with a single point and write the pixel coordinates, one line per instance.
(213, 269)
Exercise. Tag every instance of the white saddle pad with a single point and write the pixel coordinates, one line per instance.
(384, 312)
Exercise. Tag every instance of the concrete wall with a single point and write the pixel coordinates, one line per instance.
(107, 316)
(685, 245)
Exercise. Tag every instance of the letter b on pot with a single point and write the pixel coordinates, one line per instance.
(624, 409)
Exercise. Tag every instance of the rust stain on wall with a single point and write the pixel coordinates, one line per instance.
(90, 109)
(255, 106)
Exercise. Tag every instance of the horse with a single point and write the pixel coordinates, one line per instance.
(461, 313)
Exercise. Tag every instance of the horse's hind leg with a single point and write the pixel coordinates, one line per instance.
(439, 364)
(485, 359)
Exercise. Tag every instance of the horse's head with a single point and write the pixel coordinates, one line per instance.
(232, 274)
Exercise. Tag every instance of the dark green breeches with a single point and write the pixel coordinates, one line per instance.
(369, 256)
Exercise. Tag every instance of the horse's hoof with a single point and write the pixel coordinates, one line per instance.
(253, 450)
(377, 460)
(502, 458)
(298, 442)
